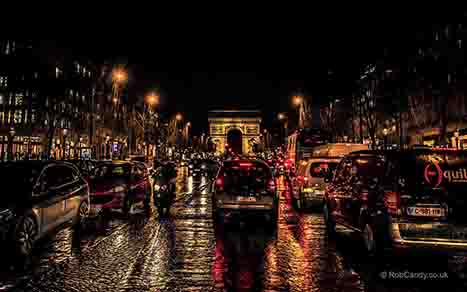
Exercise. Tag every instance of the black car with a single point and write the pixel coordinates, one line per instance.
(401, 200)
(245, 186)
(37, 197)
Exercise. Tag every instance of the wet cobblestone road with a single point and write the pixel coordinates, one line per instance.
(188, 252)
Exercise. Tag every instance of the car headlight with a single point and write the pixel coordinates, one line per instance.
(157, 187)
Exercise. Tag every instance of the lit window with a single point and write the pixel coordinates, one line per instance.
(89, 73)
(84, 71)
(77, 68)
(18, 116)
(9, 117)
(33, 116)
(19, 99)
(57, 72)
(1, 99)
(71, 92)
(7, 48)
(83, 98)
(3, 81)
(36, 75)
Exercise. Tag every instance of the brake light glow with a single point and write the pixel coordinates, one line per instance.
(220, 184)
(305, 178)
(245, 164)
(392, 202)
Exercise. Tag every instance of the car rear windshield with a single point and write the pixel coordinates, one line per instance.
(320, 169)
(246, 176)
(112, 171)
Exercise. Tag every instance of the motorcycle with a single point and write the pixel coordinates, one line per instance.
(163, 198)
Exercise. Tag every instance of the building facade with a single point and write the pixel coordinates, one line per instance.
(47, 96)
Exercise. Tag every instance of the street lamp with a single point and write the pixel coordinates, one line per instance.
(152, 99)
(179, 117)
(283, 118)
(297, 100)
(119, 75)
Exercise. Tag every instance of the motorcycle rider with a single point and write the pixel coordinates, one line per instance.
(164, 187)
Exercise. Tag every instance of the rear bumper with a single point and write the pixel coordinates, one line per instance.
(441, 246)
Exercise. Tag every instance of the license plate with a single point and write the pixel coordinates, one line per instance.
(425, 211)
(246, 199)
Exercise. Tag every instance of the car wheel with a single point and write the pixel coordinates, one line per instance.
(25, 233)
(328, 221)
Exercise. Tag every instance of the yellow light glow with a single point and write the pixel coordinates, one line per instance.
(281, 116)
(119, 75)
(152, 99)
(179, 117)
(297, 100)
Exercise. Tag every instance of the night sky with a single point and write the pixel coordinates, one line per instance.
(252, 66)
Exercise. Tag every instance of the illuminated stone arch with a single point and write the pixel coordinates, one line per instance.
(246, 121)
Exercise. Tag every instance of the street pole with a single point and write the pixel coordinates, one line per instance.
(92, 124)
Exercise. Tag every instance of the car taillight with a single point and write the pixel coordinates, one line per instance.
(271, 185)
(220, 184)
(392, 202)
(305, 179)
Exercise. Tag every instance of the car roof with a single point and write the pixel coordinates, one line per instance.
(116, 162)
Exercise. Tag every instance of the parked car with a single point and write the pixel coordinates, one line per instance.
(37, 197)
(401, 200)
(308, 184)
(245, 186)
(119, 185)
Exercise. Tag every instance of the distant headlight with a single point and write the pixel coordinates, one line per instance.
(157, 188)
(203, 166)
(190, 166)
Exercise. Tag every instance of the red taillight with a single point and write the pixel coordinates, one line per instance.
(245, 164)
(305, 178)
(271, 185)
(392, 202)
(220, 184)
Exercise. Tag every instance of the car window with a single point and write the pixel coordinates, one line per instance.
(52, 178)
(343, 171)
(246, 175)
(112, 171)
(367, 169)
(321, 169)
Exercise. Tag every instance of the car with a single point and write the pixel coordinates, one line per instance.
(245, 187)
(37, 197)
(401, 200)
(119, 185)
(309, 184)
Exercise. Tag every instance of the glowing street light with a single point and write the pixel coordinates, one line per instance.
(281, 116)
(179, 117)
(152, 99)
(188, 124)
(119, 76)
(297, 100)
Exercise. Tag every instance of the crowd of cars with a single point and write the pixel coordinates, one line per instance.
(398, 200)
